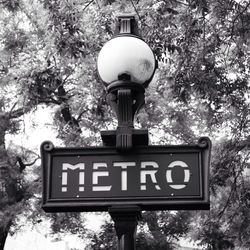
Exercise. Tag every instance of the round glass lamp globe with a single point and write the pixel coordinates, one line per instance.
(126, 55)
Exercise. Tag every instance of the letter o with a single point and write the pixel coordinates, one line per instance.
(169, 174)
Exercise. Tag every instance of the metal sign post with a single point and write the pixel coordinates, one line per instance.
(126, 219)
(126, 175)
(123, 183)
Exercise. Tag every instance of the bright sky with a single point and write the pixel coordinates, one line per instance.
(32, 135)
(35, 240)
(38, 237)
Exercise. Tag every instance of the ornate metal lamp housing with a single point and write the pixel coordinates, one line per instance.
(126, 65)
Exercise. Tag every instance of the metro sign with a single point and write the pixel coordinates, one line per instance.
(152, 177)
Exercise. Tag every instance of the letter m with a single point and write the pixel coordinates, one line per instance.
(67, 166)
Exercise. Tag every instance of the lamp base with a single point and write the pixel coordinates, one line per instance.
(125, 98)
(139, 137)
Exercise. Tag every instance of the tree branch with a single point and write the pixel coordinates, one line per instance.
(136, 10)
(23, 165)
(13, 107)
(239, 14)
(19, 112)
(80, 115)
(87, 5)
(229, 197)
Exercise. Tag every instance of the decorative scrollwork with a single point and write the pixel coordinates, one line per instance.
(204, 142)
(47, 146)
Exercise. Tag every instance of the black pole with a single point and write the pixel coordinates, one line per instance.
(125, 98)
(125, 119)
(126, 220)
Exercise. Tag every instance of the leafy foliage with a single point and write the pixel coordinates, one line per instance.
(163, 229)
(69, 222)
(105, 239)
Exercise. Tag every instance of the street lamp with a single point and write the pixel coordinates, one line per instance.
(126, 65)
(124, 182)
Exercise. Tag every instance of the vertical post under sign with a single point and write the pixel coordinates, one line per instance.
(126, 220)
(125, 217)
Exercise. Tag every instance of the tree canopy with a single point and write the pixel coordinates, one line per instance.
(48, 52)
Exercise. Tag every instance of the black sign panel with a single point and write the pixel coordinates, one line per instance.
(152, 177)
